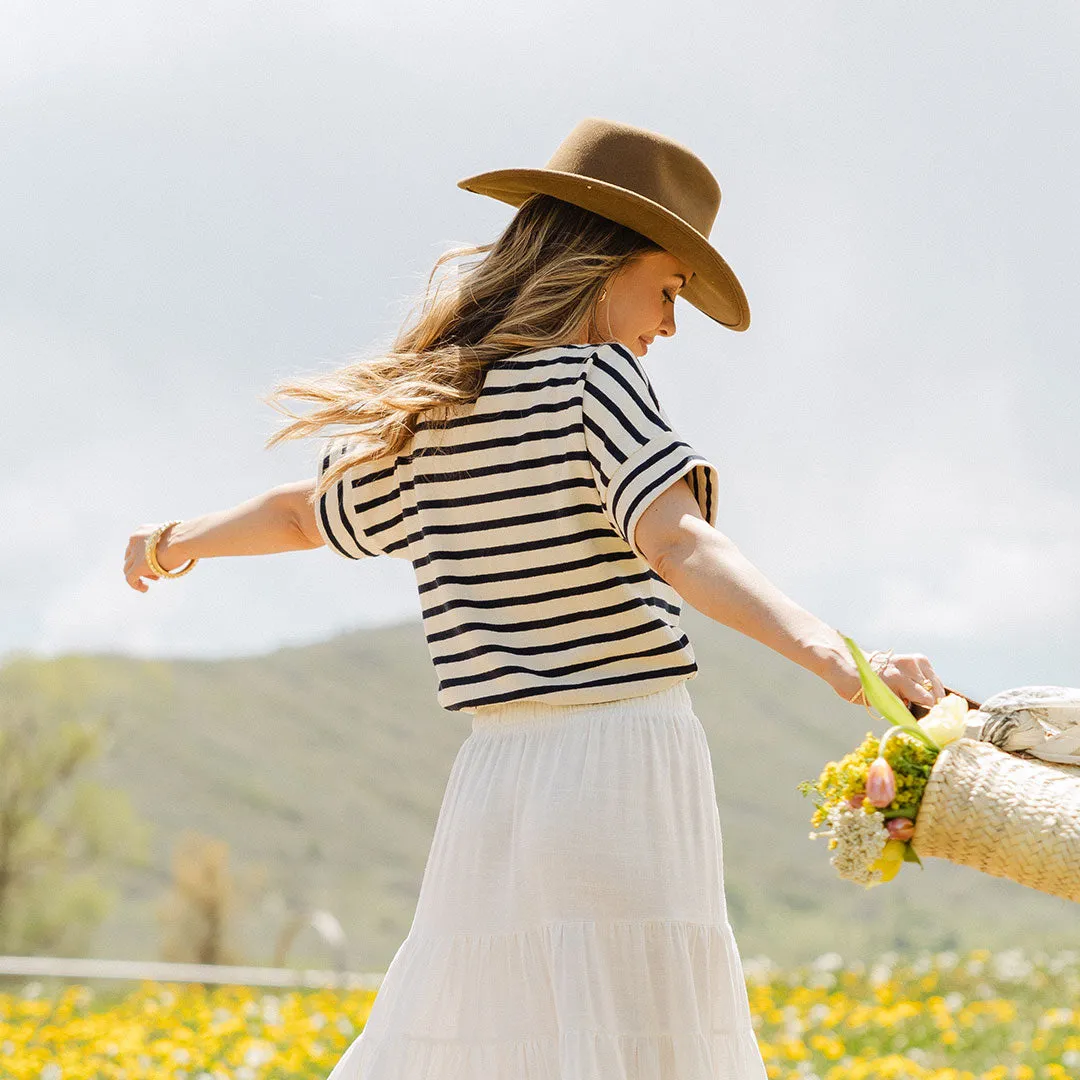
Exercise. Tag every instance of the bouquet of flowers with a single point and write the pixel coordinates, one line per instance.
(869, 800)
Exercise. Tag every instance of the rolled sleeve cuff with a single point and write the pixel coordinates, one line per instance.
(649, 472)
(341, 534)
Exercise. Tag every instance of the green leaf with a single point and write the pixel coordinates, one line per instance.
(880, 695)
(911, 855)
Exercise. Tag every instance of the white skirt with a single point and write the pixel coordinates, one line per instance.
(571, 922)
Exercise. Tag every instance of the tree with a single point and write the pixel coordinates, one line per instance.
(197, 913)
(58, 828)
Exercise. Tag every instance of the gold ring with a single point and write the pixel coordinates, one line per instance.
(927, 684)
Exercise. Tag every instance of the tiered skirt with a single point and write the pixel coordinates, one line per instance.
(571, 922)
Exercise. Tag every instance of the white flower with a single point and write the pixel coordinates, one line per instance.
(860, 840)
(258, 1053)
(946, 720)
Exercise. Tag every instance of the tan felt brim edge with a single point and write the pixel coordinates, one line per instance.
(714, 288)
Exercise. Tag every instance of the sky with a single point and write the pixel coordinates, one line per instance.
(201, 200)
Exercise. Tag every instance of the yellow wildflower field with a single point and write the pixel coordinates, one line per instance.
(931, 1016)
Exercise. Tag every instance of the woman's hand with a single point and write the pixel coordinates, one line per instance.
(262, 525)
(135, 565)
(906, 674)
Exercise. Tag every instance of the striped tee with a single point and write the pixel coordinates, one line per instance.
(519, 518)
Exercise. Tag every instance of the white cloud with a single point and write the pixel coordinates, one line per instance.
(93, 608)
(1000, 588)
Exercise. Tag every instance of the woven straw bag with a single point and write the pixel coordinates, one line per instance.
(1006, 814)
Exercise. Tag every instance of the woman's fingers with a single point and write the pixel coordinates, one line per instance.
(136, 582)
(922, 671)
(909, 678)
(913, 690)
(135, 565)
(939, 687)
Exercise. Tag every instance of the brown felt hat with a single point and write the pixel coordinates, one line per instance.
(646, 182)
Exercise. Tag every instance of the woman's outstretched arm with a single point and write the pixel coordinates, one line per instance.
(280, 519)
(709, 572)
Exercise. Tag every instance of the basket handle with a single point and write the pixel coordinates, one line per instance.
(919, 711)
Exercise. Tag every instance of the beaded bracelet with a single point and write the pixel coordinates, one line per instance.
(151, 554)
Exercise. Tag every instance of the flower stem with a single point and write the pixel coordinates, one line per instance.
(913, 729)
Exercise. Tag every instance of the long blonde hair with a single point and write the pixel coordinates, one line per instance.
(536, 286)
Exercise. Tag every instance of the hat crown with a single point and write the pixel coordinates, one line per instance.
(644, 162)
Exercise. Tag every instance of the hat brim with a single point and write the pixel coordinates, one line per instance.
(713, 289)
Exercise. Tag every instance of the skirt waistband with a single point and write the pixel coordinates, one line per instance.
(672, 700)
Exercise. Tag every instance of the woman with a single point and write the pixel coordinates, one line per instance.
(571, 919)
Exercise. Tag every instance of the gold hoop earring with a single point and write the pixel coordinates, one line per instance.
(602, 295)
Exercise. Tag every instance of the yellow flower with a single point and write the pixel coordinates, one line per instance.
(891, 859)
(829, 1045)
(795, 1049)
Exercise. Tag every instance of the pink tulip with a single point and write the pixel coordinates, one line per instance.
(880, 783)
(900, 828)
(856, 800)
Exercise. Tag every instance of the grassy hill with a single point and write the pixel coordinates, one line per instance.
(326, 764)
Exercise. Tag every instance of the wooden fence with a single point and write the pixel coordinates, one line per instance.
(159, 971)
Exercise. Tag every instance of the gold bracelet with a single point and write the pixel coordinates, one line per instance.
(859, 697)
(151, 554)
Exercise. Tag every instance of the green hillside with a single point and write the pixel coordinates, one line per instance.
(326, 764)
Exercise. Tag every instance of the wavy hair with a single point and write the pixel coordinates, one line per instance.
(535, 287)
